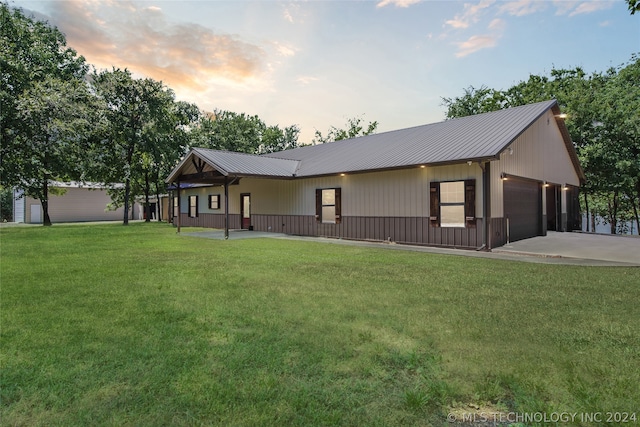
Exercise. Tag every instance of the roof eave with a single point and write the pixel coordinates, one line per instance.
(478, 160)
(571, 149)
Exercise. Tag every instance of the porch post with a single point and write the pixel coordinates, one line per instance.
(486, 204)
(178, 190)
(226, 208)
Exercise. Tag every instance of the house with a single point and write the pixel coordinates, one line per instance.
(472, 182)
(79, 202)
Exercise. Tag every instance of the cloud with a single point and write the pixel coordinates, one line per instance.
(522, 7)
(140, 39)
(497, 24)
(591, 6)
(293, 14)
(475, 43)
(397, 3)
(287, 15)
(575, 7)
(284, 50)
(469, 15)
(305, 80)
(564, 6)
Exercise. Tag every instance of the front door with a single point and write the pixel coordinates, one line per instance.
(245, 210)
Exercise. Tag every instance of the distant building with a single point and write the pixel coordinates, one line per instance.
(80, 202)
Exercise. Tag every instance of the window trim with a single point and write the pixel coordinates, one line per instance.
(212, 198)
(469, 204)
(337, 204)
(193, 208)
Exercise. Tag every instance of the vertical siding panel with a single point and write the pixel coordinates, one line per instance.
(412, 230)
(425, 230)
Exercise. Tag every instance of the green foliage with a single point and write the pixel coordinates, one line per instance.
(634, 6)
(226, 130)
(43, 99)
(6, 204)
(56, 119)
(355, 127)
(144, 132)
(474, 101)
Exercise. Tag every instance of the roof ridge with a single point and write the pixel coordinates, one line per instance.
(263, 155)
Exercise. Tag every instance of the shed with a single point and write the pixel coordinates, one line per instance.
(80, 202)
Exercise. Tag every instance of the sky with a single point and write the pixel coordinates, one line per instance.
(316, 64)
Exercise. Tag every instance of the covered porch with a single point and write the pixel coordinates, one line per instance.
(211, 168)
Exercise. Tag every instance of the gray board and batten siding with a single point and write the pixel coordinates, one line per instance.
(386, 180)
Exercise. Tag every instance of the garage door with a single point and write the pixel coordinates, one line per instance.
(523, 207)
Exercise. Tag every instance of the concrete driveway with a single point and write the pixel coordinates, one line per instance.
(554, 248)
(600, 249)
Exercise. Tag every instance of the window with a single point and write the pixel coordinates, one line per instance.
(176, 206)
(193, 206)
(328, 205)
(214, 201)
(453, 204)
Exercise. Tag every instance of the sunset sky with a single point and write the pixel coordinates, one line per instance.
(317, 63)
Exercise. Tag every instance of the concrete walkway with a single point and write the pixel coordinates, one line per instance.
(555, 248)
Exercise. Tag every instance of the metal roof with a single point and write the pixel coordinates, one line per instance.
(478, 137)
(232, 163)
(474, 138)
(229, 163)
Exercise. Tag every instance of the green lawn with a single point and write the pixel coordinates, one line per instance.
(113, 325)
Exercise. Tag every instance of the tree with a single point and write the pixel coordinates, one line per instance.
(57, 119)
(226, 130)
(139, 118)
(619, 121)
(634, 6)
(474, 101)
(164, 142)
(275, 139)
(353, 129)
(40, 81)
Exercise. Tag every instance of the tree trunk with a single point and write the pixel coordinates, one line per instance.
(46, 220)
(127, 191)
(613, 212)
(635, 213)
(127, 183)
(586, 207)
(635, 208)
(147, 190)
(158, 205)
(157, 184)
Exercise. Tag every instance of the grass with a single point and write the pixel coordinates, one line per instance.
(112, 325)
